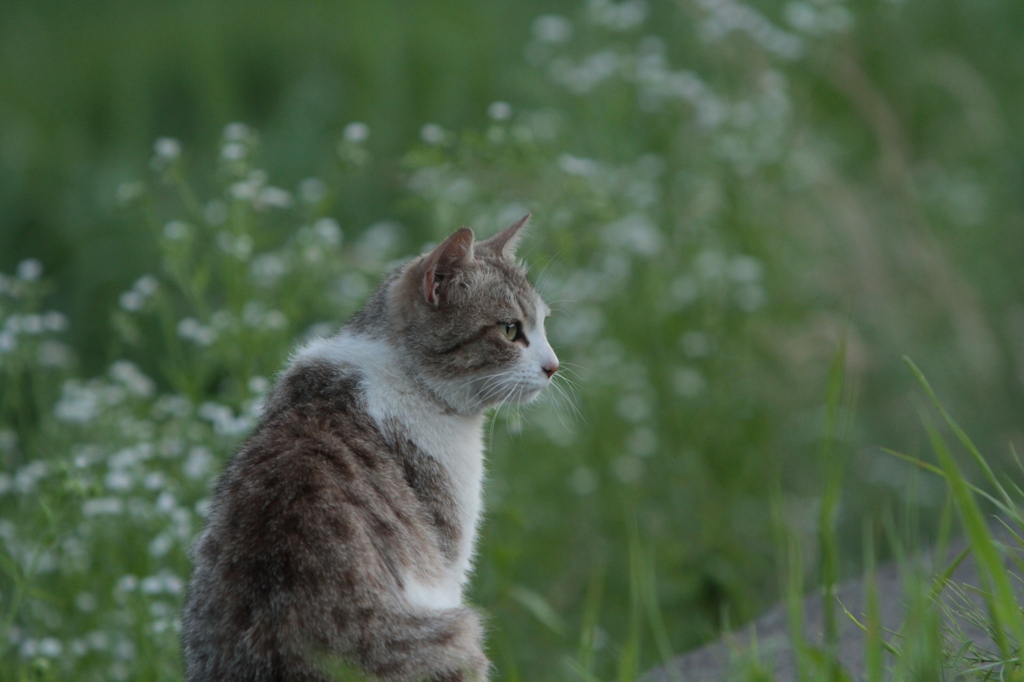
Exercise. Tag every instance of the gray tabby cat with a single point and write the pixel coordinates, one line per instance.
(344, 527)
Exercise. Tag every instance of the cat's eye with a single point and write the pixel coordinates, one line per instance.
(510, 330)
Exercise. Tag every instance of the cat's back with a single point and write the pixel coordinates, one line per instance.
(311, 516)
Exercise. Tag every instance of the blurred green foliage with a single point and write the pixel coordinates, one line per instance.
(721, 191)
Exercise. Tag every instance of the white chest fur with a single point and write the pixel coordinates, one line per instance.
(455, 441)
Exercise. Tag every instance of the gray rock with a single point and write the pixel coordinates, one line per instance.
(713, 662)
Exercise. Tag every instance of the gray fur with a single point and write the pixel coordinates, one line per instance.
(341, 503)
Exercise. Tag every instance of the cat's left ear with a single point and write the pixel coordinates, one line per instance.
(504, 243)
(450, 255)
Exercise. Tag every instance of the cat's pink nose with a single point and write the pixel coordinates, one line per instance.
(550, 369)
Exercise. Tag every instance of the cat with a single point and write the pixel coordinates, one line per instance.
(344, 527)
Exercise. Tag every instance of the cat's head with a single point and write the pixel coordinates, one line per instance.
(472, 324)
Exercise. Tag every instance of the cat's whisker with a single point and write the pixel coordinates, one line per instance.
(564, 378)
(497, 388)
(490, 388)
(497, 411)
(568, 400)
(556, 400)
(518, 406)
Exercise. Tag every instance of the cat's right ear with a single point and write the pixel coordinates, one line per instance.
(450, 255)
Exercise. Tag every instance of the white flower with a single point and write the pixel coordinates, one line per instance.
(153, 480)
(635, 233)
(30, 270)
(54, 321)
(239, 246)
(166, 502)
(696, 344)
(86, 602)
(312, 190)
(233, 151)
(54, 354)
(274, 197)
(574, 165)
(102, 506)
(132, 378)
(78, 403)
(50, 648)
(216, 212)
(117, 481)
(688, 382)
(198, 463)
(328, 231)
(551, 28)
(160, 545)
(683, 291)
(223, 419)
(191, 329)
(709, 264)
(627, 468)
(28, 476)
(128, 192)
(146, 285)
(583, 480)
(127, 583)
(259, 385)
(267, 269)
(642, 442)
(356, 132)
(634, 407)
(167, 148)
(237, 132)
(379, 240)
(745, 269)
(275, 319)
(500, 111)
(131, 301)
(617, 16)
(177, 230)
(750, 298)
(432, 133)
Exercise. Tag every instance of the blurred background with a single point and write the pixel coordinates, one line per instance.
(726, 195)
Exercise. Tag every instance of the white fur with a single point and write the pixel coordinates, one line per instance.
(456, 441)
(539, 353)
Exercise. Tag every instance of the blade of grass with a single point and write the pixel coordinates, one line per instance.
(792, 584)
(992, 571)
(655, 621)
(832, 468)
(873, 642)
(629, 659)
(958, 432)
(931, 468)
(578, 670)
(591, 612)
(539, 608)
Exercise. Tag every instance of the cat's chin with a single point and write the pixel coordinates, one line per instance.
(518, 398)
(529, 396)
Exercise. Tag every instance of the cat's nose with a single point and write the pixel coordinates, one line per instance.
(550, 369)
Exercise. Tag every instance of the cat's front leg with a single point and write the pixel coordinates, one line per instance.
(467, 649)
(444, 645)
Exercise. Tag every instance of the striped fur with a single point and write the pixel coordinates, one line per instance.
(344, 527)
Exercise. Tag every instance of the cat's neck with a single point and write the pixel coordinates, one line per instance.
(385, 366)
(404, 408)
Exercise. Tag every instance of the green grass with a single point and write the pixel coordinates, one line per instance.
(715, 213)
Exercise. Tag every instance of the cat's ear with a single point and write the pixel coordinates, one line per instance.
(450, 255)
(504, 243)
